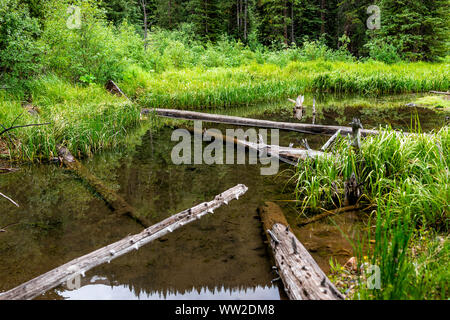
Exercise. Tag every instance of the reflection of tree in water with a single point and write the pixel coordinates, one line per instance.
(222, 249)
(60, 219)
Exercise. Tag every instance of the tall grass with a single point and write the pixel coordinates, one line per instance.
(407, 178)
(85, 119)
(222, 87)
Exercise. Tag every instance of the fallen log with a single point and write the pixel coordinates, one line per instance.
(441, 92)
(299, 127)
(326, 214)
(112, 87)
(112, 199)
(330, 141)
(79, 266)
(302, 277)
(286, 154)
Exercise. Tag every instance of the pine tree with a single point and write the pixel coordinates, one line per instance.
(419, 29)
(119, 10)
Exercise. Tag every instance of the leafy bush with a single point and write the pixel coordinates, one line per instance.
(97, 48)
(19, 52)
(384, 52)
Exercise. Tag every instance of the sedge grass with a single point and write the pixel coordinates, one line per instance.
(407, 178)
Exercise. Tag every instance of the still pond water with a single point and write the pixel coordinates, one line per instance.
(222, 256)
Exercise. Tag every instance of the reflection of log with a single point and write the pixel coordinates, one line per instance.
(326, 214)
(115, 201)
(8, 170)
(299, 127)
(79, 266)
(440, 92)
(285, 154)
(8, 198)
(302, 277)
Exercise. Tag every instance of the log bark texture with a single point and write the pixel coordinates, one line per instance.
(302, 277)
(79, 266)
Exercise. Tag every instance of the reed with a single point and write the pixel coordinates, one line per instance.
(223, 87)
(407, 178)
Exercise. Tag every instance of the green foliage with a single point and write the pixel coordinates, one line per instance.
(384, 52)
(19, 52)
(419, 29)
(406, 177)
(85, 119)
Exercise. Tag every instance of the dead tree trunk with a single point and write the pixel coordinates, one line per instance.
(302, 277)
(79, 266)
(285, 154)
(144, 9)
(216, 118)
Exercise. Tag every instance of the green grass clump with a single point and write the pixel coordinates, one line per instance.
(84, 119)
(437, 102)
(407, 178)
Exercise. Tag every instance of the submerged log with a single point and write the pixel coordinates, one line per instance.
(112, 199)
(326, 214)
(79, 266)
(302, 277)
(9, 199)
(299, 127)
(441, 92)
(8, 170)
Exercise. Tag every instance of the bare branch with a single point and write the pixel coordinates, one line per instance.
(8, 198)
(24, 126)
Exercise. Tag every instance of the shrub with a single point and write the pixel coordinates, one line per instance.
(384, 52)
(19, 51)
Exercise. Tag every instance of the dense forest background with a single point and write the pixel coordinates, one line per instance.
(416, 28)
(34, 37)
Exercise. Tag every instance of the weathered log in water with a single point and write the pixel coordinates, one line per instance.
(79, 266)
(330, 141)
(299, 127)
(286, 154)
(326, 214)
(302, 277)
(112, 199)
(441, 92)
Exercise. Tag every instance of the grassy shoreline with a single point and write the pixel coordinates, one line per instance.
(407, 179)
(223, 87)
(87, 118)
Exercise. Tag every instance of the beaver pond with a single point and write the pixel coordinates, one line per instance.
(221, 256)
